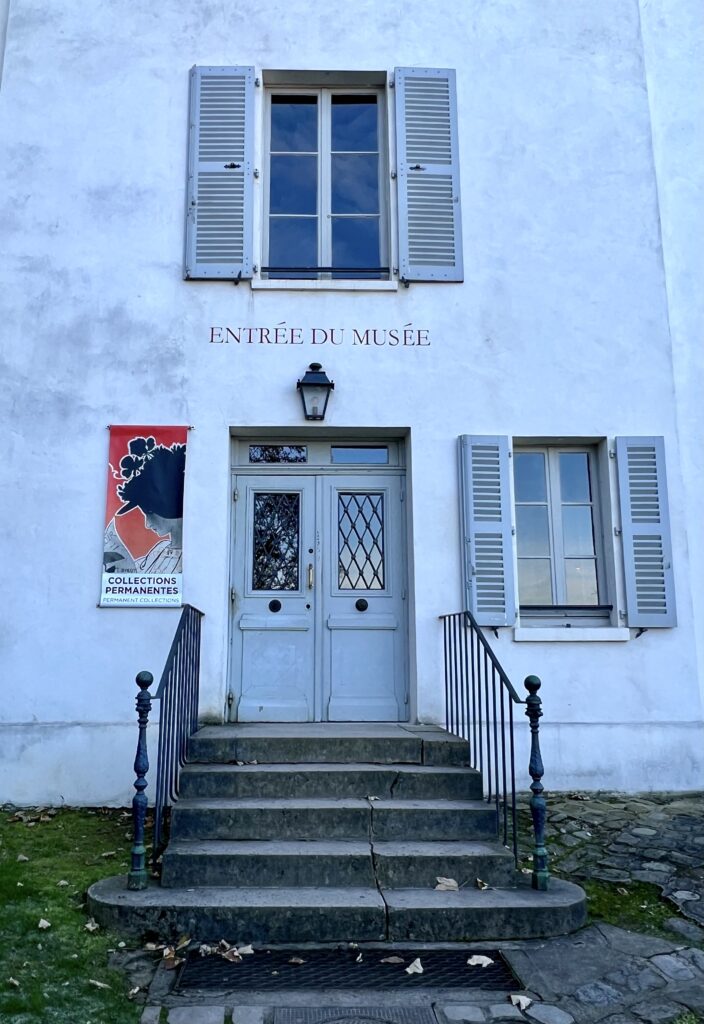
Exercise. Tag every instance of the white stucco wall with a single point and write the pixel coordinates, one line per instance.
(566, 324)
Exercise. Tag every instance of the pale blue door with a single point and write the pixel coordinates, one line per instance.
(319, 598)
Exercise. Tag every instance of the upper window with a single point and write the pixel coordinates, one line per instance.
(326, 178)
(324, 186)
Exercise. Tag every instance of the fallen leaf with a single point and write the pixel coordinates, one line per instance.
(151, 946)
(296, 960)
(44, 817)
(415, 968)
(183, 941)
(479, 961)
(372, 798)
(522, 1002)
(172, 962)
(121, 945)
(98, 984)
(274, 972)
(392, 960)
(91, 925)
(20, 885)
(205, 950)
(109, 853)
(447, 884)
(245, 950)
(231, 955)
(62, 882)
(133, 992)
(14, 982)
(359, 958)
(44, 924)
(223, 945)
(621, 891)
(482, 885)
(21, 858)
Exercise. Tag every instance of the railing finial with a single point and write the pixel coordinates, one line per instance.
(538, 807)
(137, 877)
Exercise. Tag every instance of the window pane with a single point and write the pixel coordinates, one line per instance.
(294, 124)
(275, 541)
(354, 123)
(534, 584)
(532, 529)
(578, 531)
(278, 453)
(378, 456)
(355, 184)
(294, 184)
(574, 476)
(293, 242)
(360, 541)
(529, 476)
(580, 577)
(355, 242)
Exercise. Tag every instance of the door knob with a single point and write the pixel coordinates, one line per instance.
(361, 604)
(310, 575)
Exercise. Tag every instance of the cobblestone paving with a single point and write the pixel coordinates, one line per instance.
(614, 838)
(601, 975)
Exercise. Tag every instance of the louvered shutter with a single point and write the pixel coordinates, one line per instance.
(645, 527)
(220, 173)
(487, 537)
(427, 169)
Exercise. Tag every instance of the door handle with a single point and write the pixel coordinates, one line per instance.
(310, 575)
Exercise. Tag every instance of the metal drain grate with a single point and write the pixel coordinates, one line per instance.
(271, 970)
(353, 1015)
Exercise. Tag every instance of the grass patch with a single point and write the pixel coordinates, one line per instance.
(54, 969)
(636, 906)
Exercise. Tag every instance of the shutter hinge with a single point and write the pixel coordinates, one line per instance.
(233, 595)
(617, 531)
(235, 495)
(612, 453)
(230, 698)
(257, 82)
(621, 615)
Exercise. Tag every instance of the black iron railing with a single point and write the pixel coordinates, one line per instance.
(178, 714)
(479, 703)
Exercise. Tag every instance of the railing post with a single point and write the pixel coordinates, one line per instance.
(138, 877)
(538, 808)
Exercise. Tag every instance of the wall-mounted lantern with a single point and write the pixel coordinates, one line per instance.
(315, 388)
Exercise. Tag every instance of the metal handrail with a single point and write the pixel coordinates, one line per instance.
(178, 692)
(479, 700)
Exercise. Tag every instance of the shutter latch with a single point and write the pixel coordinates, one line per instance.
(416, 167)
(231, 167)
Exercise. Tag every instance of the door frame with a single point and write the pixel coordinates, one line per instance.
(397, 441)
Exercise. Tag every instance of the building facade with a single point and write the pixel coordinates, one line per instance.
(484, 223)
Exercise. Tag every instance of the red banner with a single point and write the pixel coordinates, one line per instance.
(143, 549)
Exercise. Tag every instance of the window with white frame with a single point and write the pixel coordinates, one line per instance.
(325, 178)
(559, 549)
(534, 522)
(325, 185)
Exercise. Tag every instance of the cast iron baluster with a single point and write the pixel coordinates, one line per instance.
(538, 809)
(138, 877)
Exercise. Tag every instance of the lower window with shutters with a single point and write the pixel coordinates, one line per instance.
(566, 534)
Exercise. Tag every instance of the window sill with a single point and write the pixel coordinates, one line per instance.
(570, 634)
(324, 286)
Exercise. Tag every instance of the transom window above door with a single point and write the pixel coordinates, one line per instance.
(325, 179)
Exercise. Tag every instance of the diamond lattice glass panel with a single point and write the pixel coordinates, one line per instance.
(275, 541)
(360, 541)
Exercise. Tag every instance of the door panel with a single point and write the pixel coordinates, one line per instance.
(274, 634)
(319, 628)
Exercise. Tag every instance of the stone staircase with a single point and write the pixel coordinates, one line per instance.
(335, 832)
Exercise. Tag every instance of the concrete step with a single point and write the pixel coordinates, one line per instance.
(349, 818)
(409, 782)
(336, 863)
(263, 915)
(321, 742)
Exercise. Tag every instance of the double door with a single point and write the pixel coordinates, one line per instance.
(319, 598)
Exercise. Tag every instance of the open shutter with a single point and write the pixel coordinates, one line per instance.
(220, 173)
(485, 497)
(645, 526)
(427, 169)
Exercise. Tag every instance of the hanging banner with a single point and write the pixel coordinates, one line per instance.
(143, 549)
